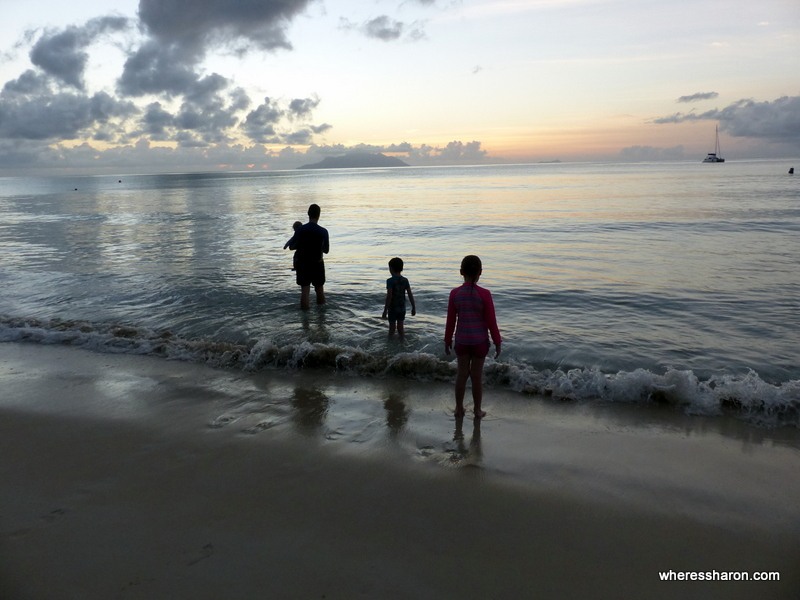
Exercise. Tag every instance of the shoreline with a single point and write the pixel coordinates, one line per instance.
(135, 477)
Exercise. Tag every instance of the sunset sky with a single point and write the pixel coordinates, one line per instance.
(172, 85)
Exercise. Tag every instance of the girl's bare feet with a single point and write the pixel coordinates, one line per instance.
(460, 412)
(479, 414)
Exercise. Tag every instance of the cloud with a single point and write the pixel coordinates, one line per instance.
(455, 152)
(181, 33)
(458, 151)
(383, 28)
(166, 112)
(50, 103)
(30, 83)
(265, 123)
(260, 123)
(194, 25)
(157, 121)
(776, 121)
(192, 154)
(650, 153)
(386, 29)
(302, 107)
(153, 69)
(30, 108)
(62, 54)
(699, 96)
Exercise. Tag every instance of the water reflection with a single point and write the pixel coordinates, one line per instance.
(467, 454)
(314, 323)
(310, 407)
(397, 414)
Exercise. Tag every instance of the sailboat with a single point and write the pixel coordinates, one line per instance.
(714, 157)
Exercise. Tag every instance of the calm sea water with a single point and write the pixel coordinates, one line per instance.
(668, 282)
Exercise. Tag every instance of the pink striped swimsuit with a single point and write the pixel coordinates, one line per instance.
(473, 307)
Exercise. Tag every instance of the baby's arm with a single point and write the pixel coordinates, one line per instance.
(411, 299)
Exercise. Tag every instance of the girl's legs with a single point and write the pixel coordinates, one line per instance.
(476, 374)
(470, 367)
(462, 375)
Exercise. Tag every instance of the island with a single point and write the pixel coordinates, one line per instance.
(356, 160)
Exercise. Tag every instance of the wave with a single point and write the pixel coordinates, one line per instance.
(746, 396)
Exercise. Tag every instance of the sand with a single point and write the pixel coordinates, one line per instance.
(138, 477)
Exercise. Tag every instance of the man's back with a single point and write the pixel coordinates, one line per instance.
(312, 241)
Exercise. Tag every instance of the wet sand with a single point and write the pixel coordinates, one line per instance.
(137, 477)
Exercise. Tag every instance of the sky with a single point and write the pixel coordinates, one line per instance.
(138, 86)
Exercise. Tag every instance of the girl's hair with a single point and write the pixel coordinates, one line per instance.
(471, 266)
(396, 264)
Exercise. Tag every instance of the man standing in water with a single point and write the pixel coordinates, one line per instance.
(311, 242)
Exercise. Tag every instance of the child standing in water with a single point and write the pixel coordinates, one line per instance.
(470, 314)
(397, 287)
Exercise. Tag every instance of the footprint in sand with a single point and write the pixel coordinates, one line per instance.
(259, 427)
(53, 515)
(205, 552)
(50, 517)
(222, 421)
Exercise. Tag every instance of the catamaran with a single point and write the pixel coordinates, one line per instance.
(714, 157)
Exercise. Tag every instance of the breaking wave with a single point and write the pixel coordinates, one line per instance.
(746, 396)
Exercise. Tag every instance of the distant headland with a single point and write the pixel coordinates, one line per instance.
(356, 160)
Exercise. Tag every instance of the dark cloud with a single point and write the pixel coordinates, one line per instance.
(263, 124)
(180, 33)
(302, 107)
(29, 83)
(63, 55)
(208, 111)
(260, 123)
(199, 113)
(193, 25)
(153, 69)
(301, 137)
(699, 96)
(31, 109)
(207, 116)
(157, 121)
(776, 121)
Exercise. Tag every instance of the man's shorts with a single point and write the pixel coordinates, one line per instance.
(472, 350)
(313, 274)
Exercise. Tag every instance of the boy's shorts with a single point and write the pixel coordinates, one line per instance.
(396, 316)
(472, 350)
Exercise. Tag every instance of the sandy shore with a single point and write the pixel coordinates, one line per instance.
(136, 477)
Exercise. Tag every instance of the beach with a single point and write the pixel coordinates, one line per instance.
(137, 477)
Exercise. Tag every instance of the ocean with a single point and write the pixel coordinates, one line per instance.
(650, 283)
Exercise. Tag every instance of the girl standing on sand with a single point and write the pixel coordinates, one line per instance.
(470, 314)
